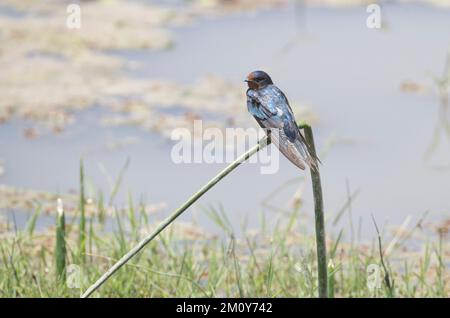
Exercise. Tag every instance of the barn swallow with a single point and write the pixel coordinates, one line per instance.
(270, 107)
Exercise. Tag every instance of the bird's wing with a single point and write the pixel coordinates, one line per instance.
(291, 150)
(266, 106)
(271, 110)
(292, 131)
(256, 108)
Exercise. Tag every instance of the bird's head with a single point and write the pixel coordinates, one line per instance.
(258, 80)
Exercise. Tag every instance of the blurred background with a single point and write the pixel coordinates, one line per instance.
(111, 92)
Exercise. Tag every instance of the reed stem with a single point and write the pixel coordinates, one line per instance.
(82, 229)
(319, 219)
(60, 248)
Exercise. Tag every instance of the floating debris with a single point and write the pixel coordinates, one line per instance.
(221, 7)
(68, 70)
(49, 70)
(414, 87)
(182, 230)
(212, 99)
(29, 200)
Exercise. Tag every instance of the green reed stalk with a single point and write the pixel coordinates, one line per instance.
(331, 279)
(82, 232)
(60, 248)
(319, 219)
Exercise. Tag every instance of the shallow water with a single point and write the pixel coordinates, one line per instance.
(349, 75)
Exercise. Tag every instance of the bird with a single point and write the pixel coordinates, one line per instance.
(270, 107)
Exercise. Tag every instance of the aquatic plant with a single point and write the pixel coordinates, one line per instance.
(60, 247)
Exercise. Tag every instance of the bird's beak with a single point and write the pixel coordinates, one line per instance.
(246, 81)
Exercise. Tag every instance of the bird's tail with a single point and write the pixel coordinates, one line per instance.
(298, 152)
(308, 154)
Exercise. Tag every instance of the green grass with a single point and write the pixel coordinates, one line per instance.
(185, 262)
